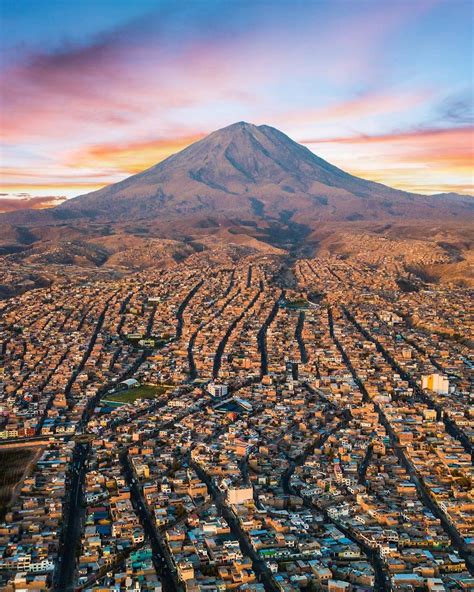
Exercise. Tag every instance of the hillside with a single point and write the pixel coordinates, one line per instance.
(243, 185)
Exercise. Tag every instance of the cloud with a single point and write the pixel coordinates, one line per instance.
(23, 201)
(451, 146)
(132, 157)
(95, 110)
(415, 159)
(206, 58)
(368, 104)
(131, 78)
(457, 110)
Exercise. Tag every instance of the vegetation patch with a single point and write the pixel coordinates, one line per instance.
(146, 391)
(297, 303)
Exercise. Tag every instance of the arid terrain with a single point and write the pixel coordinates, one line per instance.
(247, 187)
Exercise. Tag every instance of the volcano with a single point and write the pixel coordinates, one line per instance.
(249, 173)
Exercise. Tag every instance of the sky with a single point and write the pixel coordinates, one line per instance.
(92, 91)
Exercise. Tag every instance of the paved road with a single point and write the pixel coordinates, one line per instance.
(299, 338)
(259, 565)
(182, 308)
(64, 581)
(223, 342)
(161, 560)
(403, 457)
(262, 336)
(362, 472)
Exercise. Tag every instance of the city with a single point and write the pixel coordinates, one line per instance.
(257, 423)
(236, 296)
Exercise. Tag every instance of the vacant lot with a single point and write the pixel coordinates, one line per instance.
(14, 463)
(147, 391)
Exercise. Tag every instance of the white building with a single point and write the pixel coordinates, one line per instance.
(217, 390)
(437, 383)
(239, 495)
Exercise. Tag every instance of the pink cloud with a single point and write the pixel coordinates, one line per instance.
(452, 147)
(368, 104)
(145, 87)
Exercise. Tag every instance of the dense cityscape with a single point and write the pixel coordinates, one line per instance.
(250, 423)
(236, 296)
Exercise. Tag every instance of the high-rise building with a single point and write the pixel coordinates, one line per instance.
(217, 390)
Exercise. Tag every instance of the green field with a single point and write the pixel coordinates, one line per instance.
(147, 391)
(296, 304)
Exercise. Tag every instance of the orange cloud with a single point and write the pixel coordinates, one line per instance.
(98, 166)
(457, 133)
(26, 201)
(423, 160)
(132, 157)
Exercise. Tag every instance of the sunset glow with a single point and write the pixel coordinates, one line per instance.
(380, 89)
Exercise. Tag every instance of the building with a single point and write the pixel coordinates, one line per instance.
(437, 383)
(338, 586)
(239, 495)
(217, 390)
(128, 384)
